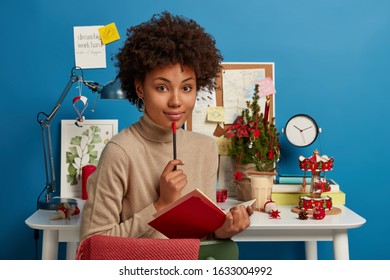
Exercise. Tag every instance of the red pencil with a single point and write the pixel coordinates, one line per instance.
(174, 141)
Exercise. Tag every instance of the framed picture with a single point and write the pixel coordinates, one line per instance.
(80, 146)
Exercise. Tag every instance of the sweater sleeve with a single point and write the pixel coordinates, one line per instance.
(107, 187)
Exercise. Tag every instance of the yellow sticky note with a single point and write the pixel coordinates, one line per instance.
(216, 114)
(109, 33)
(223, 144)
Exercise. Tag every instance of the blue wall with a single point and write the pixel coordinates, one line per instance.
(331, 59)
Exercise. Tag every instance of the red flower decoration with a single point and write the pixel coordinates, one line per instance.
(274, 214)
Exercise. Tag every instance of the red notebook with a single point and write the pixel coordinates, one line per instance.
(193, 215)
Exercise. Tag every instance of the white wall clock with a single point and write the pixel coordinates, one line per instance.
(301, 130)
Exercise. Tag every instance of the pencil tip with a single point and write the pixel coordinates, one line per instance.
(174, 127)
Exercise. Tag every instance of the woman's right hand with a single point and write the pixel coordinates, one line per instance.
(172, 183)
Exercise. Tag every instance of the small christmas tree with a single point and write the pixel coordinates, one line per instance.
(254, 139)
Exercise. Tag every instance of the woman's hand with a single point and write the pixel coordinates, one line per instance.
(172, 183)
(236, 221)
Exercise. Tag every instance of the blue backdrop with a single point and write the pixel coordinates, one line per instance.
(331, 60)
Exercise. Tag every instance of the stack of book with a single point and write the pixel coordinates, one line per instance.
(287, 190)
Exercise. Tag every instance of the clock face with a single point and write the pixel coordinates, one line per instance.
(301, 130)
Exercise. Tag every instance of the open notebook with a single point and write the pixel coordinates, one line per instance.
(193, 215)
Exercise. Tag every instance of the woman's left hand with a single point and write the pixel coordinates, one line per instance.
(236, 221)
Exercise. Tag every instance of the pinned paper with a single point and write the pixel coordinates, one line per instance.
(109, 33)
(223, 144)
(266, 87)
(88, 47)
(216, 114)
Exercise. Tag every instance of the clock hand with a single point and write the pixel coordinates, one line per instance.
(307, 128)
(298, 128)
(303, 137)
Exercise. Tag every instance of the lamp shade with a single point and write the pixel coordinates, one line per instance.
(113, 90)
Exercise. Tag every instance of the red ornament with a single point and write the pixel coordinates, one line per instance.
(274, 214)
(319, 213)
(269, 206)
(238, 175)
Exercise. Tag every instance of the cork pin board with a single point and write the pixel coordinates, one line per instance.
(234, 79)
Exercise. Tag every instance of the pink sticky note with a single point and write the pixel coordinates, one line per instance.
(266, 87)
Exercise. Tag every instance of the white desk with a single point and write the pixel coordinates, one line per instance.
(262, 228)
(290, 228)
(57, 231)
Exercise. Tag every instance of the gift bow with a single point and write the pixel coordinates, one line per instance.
(241, 130)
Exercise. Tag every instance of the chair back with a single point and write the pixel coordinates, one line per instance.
(105, 247)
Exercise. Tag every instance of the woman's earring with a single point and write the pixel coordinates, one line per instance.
(140, 104)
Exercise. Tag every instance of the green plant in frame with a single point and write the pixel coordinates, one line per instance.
(82, 152)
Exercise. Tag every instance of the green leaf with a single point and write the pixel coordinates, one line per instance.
(72, 170)
(90, 148)
(86, 132)
(93, 154)
(73, 150)
(72, 180)
(96, 138)
(95, 129)
(75, 141)
(70, 157)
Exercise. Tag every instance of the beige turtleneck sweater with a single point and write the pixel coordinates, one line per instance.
(124, 186)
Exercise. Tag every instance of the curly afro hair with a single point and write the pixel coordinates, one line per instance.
(167, 39)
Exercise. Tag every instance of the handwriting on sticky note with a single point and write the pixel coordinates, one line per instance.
(266, 87)
(216, 114)
(109, 33)
(222, 143)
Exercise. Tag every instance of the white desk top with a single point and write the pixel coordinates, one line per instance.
(41, 219)
(289, 220)
(262, 228)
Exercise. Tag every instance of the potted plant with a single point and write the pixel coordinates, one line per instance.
(253, 142)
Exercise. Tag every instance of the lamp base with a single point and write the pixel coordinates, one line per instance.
(53, 203)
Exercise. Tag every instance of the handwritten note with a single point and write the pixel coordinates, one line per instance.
(88, 47)
(216, 114)
(200, 124)
(238, 87)
(223, 144)
(205, 98)
(109, 33)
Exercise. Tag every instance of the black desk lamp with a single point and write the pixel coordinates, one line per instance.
(112, 90)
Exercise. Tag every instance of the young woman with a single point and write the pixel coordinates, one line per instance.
(162, 65)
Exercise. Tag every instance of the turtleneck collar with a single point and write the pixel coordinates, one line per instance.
(152, 131)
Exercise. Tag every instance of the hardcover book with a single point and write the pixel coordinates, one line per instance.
(292, 179)
(297, 188)
(193, 215)
(338, 198)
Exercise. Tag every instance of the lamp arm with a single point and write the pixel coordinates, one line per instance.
(45, 120)
(73, 78)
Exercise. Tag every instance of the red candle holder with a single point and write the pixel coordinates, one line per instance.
(221, 195)
(87, 170)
